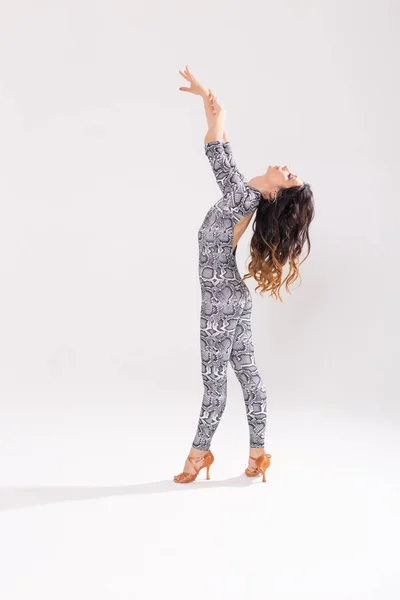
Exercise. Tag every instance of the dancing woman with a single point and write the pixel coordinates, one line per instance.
(284, 208)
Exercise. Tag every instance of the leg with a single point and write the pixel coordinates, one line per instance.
(218, 323)
(243, 363)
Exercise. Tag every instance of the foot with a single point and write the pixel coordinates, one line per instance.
(197, 457)
(253, 454)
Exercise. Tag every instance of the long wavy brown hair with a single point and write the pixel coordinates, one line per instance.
(280, 232)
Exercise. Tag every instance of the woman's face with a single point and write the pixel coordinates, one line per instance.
(281, 176)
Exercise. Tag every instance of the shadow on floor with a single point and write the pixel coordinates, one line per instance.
(19, 497)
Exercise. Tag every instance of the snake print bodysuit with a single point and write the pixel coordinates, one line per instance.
(226, 304)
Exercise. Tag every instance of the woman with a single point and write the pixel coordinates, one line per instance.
(283, 207)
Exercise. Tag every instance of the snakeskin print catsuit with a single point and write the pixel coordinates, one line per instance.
(225, 314)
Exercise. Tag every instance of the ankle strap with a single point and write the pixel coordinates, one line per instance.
(191, 459)
(197, 457)
(255, 457)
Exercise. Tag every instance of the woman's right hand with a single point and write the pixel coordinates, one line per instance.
(215, 112)
(195, 87)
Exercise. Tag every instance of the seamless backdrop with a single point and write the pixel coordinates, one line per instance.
(103, 186)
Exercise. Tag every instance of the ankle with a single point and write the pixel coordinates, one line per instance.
(255, 452)
(197, 452)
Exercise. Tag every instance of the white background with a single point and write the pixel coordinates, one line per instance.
(104, 184)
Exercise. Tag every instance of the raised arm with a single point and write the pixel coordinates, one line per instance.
(210, 111)
(240, 199)
(228, 151)
(226, 172)
(198, 89)
(210, 115)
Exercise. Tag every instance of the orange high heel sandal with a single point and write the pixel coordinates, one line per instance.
(262, 464)
(186, 477)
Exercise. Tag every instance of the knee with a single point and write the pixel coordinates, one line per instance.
(214, 377)
(245, 370)
(213, 368)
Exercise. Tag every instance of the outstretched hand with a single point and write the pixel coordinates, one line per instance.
(199, 90)
(212, 107)
(195, 87)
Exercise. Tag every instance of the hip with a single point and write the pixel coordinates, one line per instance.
(227, 291)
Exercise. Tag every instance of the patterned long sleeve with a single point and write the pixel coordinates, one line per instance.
(228, 151)
(240, 199)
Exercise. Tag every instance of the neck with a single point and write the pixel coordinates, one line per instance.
(259, 183)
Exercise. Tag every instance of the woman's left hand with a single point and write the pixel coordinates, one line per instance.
(195, 87)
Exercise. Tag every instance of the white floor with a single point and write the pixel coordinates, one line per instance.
(88, 508)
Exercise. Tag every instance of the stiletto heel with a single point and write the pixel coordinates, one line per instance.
(186, 477)
(262, 463)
